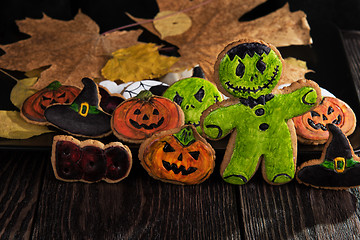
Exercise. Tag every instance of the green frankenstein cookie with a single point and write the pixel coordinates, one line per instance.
(259, 120)
(193, 95)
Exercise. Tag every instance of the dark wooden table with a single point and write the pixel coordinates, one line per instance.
(34, 205)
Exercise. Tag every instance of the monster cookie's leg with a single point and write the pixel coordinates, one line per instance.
(279, 166)
(241, 160)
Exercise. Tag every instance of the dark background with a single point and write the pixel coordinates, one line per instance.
(326, 17)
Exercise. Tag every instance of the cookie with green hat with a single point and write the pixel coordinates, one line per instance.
(82, 117)
(338, 166)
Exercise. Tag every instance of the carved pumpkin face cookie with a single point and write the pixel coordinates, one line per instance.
(140, 117)
(311, 126)
(179, 156)
(34, 106)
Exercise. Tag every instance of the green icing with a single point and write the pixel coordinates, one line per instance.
(331, 165)
(193, 95)
(55, 85)
(252, 142)
(185, 136)
(253, 82)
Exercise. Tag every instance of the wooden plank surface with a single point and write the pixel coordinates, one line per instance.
(20, 183)
(139, 207)
(294, 211)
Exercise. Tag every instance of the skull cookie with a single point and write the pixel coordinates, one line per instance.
(260, 120)
(193, 95)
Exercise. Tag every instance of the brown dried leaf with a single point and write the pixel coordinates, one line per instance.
(74, 49)
(294, 69)
(216, 24)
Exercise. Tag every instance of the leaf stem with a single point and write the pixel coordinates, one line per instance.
(152, 20)
(9, 75)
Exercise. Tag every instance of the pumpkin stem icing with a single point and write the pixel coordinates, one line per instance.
(144, 95)
(185, 136)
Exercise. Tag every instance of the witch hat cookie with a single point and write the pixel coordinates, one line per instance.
(338, 167)
(83, 117)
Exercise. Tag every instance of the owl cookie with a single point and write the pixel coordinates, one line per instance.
(262, 133)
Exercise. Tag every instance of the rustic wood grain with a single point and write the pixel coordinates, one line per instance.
(20, 182)
(294, 211)
(139, 207)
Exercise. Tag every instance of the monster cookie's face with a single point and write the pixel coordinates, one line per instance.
(250, 69)
(193, 95)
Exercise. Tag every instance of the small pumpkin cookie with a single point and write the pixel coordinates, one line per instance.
(33, 108)
(311, 126)
(90, 160)
(179, 156)
(140, 117)
(193, 95)
(82, 117)
(338, 166)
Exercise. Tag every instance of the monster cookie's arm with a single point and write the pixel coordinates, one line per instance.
(218, 120)
(300, 97)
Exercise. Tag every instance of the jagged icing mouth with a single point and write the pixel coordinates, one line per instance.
(173, 167)
(147, 127)
(253, 90)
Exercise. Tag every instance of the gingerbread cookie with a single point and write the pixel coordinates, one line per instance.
(33, 108)
(338, 166)
(311, 127)
(90, 160)
(82, 117)
(140, 117)
(259, 120)
(193, 95)
(179, 156)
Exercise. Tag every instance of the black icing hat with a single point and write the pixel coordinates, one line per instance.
(339, 167)
(82, 117)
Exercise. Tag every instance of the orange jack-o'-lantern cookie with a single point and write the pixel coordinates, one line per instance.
(179, 156)
(34, 106)
(311, 126)
(140, 117)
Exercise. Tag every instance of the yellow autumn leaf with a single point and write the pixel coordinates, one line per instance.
(22, 90)
(36, 72)
(14, 127)
(136, 63)
(171, 23)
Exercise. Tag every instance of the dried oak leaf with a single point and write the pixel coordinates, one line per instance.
(74, 49)
(215, 24)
